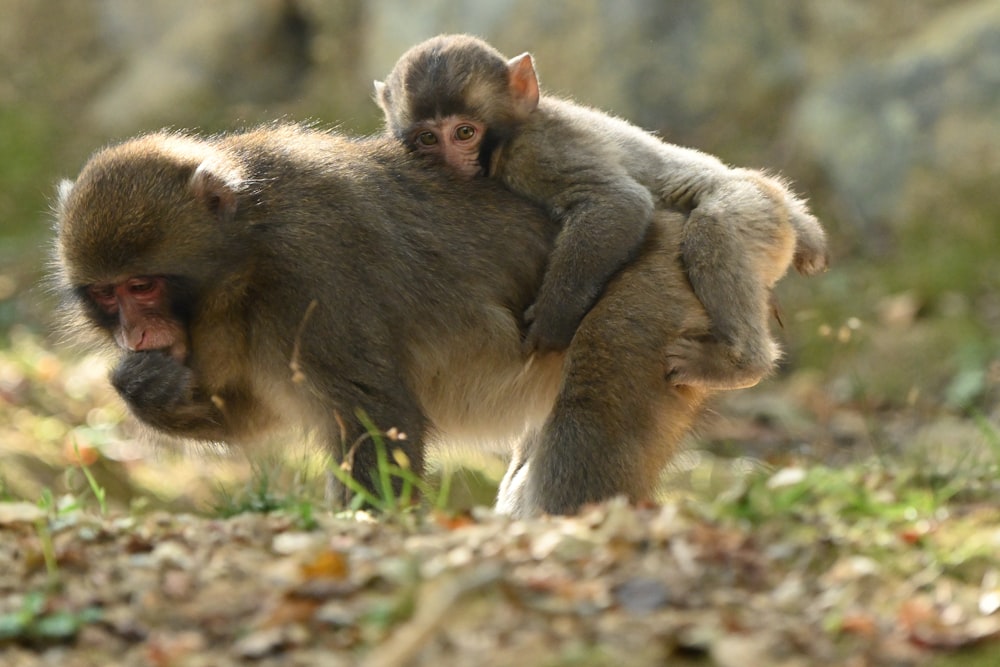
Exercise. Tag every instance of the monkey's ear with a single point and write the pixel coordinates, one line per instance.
(62, 194)
(523, 83)
(216, 189)
(381, 94)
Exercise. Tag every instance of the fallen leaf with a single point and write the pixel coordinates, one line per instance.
(325, 565)
(11, 513)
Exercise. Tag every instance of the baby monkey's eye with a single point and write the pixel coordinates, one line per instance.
(427, 139)
(465, 132)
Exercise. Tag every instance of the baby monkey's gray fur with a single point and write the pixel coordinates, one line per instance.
(600, 178)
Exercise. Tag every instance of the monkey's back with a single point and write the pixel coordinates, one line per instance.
(409, 268)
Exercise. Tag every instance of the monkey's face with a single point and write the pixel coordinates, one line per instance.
(454, 140)
(141, 233)
(442, 96)
(137, 311)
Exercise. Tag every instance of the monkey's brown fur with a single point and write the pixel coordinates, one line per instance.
(419, 284)
(600, 178)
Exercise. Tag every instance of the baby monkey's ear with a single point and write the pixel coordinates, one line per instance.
(380, 94)
(523, 83)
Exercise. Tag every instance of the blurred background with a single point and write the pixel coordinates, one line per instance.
(885, 113)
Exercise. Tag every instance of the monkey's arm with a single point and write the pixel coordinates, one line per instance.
(163, 393)
(604, 216)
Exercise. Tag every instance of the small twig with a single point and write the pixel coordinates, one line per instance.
(437, 599)
(297, 374)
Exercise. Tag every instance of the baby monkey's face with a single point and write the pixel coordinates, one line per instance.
(454, 140)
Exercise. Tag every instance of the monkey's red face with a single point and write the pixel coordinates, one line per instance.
(138, 311)
(455, 140)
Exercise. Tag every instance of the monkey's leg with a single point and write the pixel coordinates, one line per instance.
(511, 494)
(739, 352)
(397, 426)
(732, 247)
(605, 438)
(616, 422)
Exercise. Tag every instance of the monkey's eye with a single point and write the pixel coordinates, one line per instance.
(103, 296)
(141, 285)
(427, 139)
(465, 132)
(146, 289)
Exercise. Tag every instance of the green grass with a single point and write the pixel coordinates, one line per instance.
(384, 498)
(270, 488)
(36, 623)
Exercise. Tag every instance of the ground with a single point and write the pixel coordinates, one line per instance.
(115, 558)
(796, 568)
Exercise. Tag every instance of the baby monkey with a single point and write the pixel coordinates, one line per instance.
(459, 100)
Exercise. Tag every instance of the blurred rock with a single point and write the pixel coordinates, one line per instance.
(922, 123)
(184, 53)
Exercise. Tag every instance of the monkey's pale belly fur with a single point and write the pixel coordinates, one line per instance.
(484, 398)
(485, 395)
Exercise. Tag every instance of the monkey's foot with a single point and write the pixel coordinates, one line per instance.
(713, 365)
(810, 258)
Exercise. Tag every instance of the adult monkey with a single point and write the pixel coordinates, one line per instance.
(285, 276)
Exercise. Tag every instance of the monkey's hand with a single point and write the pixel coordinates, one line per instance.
(551, 327)
(160, 391)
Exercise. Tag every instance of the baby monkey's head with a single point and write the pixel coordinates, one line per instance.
(455, 97)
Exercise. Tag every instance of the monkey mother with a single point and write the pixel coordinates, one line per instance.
(289, 277)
